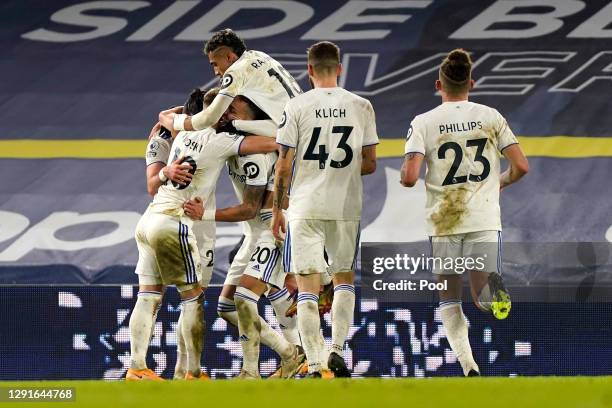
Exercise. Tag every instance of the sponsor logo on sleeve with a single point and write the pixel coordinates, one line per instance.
(283, 120)
(226, 81)
(251, 170)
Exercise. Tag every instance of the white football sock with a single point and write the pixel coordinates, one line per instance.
(280, 301)
(227, 310)
(141, 326)
(457, 334)
(249, 328)
(323, 353)
(180, 369)
(193, 329)
(342, 312)
(309, 324)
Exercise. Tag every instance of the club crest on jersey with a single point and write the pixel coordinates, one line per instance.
(283, 120)
(251, 170)
(226, 81)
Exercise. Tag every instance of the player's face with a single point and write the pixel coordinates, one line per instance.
(219, 61)
(239, 109)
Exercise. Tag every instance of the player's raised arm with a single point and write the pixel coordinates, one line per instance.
(257, 144)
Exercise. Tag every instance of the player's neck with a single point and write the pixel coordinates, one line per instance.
(454, 98)
(325, 82)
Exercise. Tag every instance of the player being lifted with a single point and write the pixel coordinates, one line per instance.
(252, 74)
(169, 253)
(331, 134)
(461, 142)
(256, 267)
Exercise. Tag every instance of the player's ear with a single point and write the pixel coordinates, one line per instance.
(339, 70)
(438, 85)
(472, 83)
(310, 70)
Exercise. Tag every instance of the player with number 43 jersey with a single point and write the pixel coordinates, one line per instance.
(330, 136)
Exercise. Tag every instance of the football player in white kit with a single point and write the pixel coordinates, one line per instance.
(461, 142)
(252, 74)
(256, 267)
(331, 133)
(169, 253)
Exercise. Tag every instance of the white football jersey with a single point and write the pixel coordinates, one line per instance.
(328, 127)
(263, 80)
(158, 149)
(207, 152)
(462, 142)
(251, 170)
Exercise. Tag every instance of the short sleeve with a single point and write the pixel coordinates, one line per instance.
(505, 136)
(256, 169)
(230, 144)
(370, 137)
(158, 151)
(232, 83)
(415, 139)
(287, 134)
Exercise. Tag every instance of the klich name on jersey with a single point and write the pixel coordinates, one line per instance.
(330, 113)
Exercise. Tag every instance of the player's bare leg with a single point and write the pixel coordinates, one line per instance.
(142, 322)
(455, 324)
(343, 308)
(253, 329)
(309, 322)
(192, 327)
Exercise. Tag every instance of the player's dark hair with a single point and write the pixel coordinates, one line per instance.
(210, 95)
(324, 57)
(195, 102)
(225, 38)
(257, 113)
(456, 71)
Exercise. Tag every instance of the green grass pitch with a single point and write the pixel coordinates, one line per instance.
(583, 392)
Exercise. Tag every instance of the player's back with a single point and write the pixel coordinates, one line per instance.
(206, 151)
(462, 142)
(261, 79)
(328, 128)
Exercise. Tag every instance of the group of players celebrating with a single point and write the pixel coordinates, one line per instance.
(296, 160)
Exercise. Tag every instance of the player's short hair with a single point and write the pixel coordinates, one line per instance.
(210, 95)
(324, 57)
(225, 38)
(256, 112)
(456, 71)
(195, 102)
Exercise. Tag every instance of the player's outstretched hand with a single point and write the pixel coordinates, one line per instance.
(194, 208)
(278, 224)
(179, 172)
(166, 117)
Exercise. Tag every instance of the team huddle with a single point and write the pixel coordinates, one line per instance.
(295, 160)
